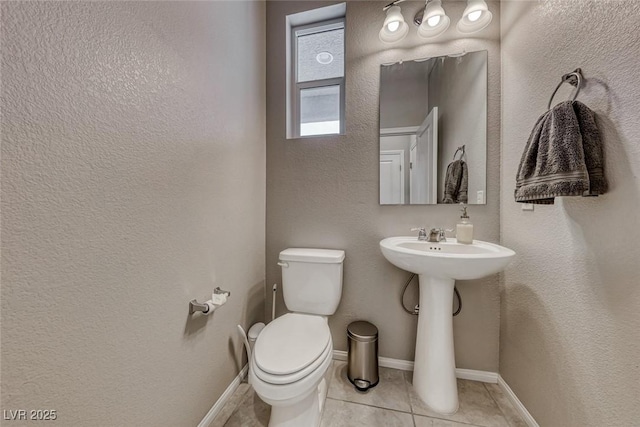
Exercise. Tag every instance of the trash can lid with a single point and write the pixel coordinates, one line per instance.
(255, 330)
(362, 331)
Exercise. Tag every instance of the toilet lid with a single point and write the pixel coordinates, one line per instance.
(291, 342)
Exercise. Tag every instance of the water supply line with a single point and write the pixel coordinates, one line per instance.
(273, 301)
(455, 313)
(416, 310)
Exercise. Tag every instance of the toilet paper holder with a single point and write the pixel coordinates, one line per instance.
(195, 306)
(219, 291)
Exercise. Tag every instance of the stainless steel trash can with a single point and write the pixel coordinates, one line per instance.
(362, 369)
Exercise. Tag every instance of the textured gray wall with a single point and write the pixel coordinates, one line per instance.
(133, 165)
(323, 192)
(569, 341)
(403, 94)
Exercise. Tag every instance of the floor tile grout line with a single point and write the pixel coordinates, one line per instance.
(406, 388)
(445, 419)
(497, 404)
(334, 366)
(238, 405)
(408, 392)
(406, 382)
(235, 406)
(371, 406)
(450, 420)
(340, 377)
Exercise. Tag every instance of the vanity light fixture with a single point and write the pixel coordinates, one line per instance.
(434, 20)
(394, 28)
(475, 17)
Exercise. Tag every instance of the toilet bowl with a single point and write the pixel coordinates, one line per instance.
(293, 353)
(288, 366)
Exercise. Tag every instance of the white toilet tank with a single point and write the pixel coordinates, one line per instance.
(312, 280)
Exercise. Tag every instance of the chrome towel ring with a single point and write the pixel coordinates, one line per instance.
(574, 79)
(462, 150)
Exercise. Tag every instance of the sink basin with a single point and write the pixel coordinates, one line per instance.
(439, 265)
(450, 259)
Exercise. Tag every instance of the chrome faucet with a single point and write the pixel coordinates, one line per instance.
(422, 233)
(437, 235)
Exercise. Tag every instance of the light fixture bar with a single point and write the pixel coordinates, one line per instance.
(392, 4)
(432, 20)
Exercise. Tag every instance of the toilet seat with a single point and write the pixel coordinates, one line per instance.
(291, 347)
(289, 394)
(295, 376)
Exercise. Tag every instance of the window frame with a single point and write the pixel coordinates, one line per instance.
(304, 30)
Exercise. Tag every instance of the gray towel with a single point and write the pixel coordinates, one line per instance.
(563, 156)
(456, 183)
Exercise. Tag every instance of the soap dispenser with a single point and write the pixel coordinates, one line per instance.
(464, 229)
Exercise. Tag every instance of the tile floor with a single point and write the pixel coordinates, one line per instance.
(392, 403)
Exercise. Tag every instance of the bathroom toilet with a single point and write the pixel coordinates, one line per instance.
(293, 352)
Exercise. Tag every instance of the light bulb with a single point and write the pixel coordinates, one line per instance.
(393, 26)
(433, 21)
(474, 16)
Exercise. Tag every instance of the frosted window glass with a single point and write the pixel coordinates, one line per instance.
(310, 66)
(320, 110)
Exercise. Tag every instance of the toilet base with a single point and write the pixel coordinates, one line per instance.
(304, 413)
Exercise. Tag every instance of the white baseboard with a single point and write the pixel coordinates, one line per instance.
(474, 375)
(526, 416)
(407, 365)
(217, 407)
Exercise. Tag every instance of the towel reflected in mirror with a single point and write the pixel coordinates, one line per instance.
(456, 183)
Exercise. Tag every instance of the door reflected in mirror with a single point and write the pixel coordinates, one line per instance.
(433, 130)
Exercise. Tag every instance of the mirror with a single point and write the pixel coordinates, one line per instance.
(433, 130)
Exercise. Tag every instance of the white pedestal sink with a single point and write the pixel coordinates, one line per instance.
(439, 265)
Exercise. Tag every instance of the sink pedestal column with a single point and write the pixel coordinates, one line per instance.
(434, 371)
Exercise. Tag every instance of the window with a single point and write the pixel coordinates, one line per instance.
(317, 59)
